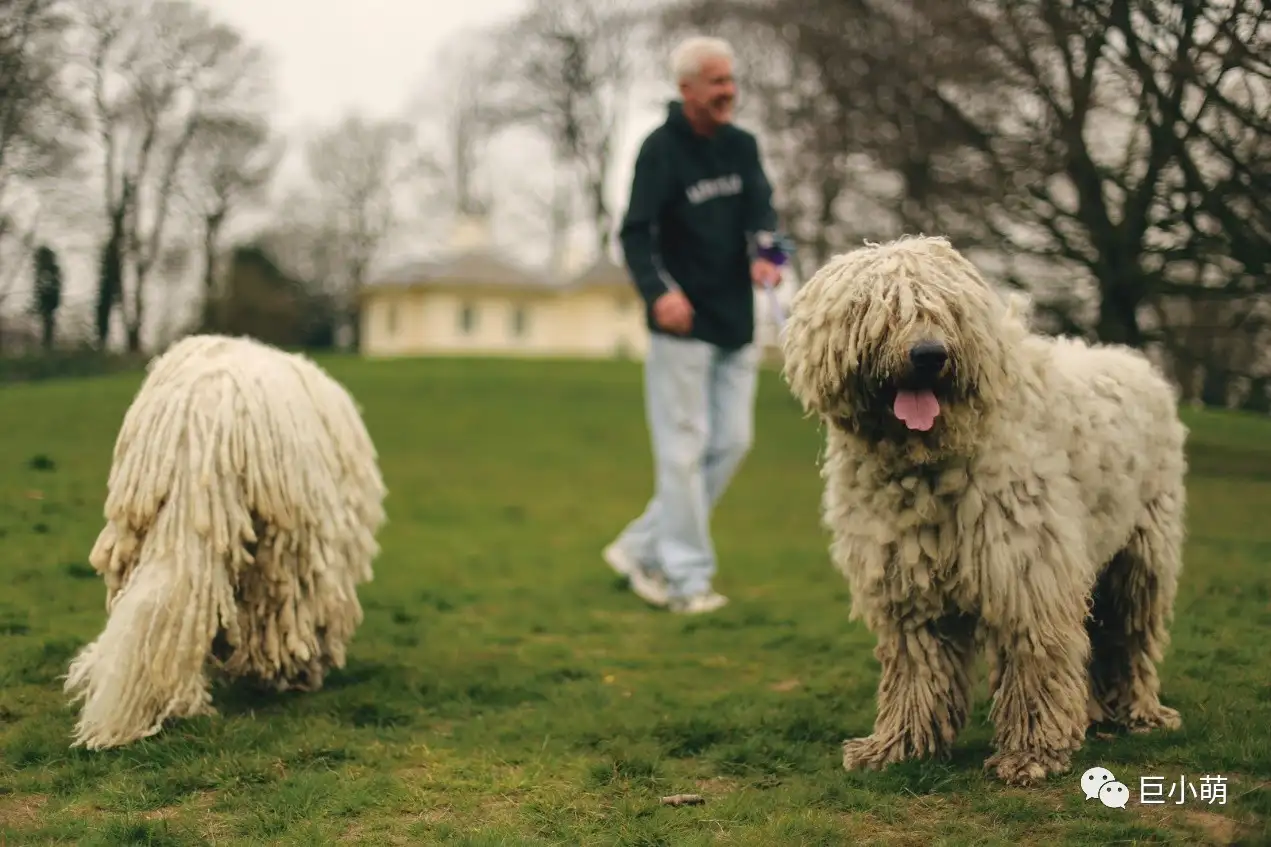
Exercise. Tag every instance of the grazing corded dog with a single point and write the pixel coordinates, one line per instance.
(243, 505)
(986, 487)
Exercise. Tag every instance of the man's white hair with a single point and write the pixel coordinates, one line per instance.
(692, 53)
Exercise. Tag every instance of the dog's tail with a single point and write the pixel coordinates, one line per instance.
(148, 663)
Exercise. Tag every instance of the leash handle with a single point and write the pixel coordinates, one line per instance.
(777, 249)
(773, 246)
(774, 305)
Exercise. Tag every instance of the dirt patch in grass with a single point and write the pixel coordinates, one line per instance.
(920, 819)
(21, 810)
(717, 786)
(357, 833)
(200, 805)
(413, 775)
(1217, 828)
(1239, 784)
(198, 815)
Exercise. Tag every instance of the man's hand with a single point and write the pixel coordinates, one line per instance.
(673, 312)
(763, 272)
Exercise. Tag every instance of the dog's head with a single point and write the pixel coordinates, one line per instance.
(902, 344)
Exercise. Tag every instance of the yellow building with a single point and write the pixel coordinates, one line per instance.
(477, 303)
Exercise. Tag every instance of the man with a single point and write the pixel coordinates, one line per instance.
(699, 196)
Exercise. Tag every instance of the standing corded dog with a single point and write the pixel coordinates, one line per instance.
(694, 237)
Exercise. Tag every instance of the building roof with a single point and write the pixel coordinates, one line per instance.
(601, 272)
(476, 267)
(485, 268)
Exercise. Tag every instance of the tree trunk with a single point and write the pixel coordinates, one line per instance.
(108, 285)
(1118, 314)
(600, 216)
(136, 320)
(1182, 370)
(558, 222)
(49, 323)
(353, 303)
(1258, 400)
(211, 236)
(1215, 390)
(133, 322)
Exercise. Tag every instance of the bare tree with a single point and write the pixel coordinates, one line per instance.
(231, 163)
(358, 168)
(301, 241)
(565, 68)
(1218, 345)
(39, 125)
(455, 120)
(1108, 146)
(46, 293)
(1139, 134)
(36, 110)
(159, 72)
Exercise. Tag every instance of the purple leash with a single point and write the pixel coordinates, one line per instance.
(776, 249)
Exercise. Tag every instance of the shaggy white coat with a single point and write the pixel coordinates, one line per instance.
(1040, 519)
(242, 511)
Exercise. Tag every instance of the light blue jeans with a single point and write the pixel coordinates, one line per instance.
(700, 404)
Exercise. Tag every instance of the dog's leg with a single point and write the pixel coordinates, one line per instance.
(1039, 706)
(1133, 605)
(923, 696)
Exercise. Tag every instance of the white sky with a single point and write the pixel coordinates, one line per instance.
(333, 56)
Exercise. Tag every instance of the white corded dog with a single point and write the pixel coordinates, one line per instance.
(242, 511)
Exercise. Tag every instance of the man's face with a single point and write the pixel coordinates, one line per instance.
(713, 92)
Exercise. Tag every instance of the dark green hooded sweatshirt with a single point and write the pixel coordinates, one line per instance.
(696, 204)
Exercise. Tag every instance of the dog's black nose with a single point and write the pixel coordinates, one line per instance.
(928, 356)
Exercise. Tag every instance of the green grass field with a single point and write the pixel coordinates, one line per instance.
(505, 690)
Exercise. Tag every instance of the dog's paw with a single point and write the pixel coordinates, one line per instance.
(1026, 767)
(1154, 718)
(872, 752)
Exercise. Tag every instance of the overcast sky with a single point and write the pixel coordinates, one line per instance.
(333, 56)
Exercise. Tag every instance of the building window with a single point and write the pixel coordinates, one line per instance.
(520, 321)
(467, 318)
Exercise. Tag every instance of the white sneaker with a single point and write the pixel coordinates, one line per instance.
(616, 558)
(649, 587)
(707, 601)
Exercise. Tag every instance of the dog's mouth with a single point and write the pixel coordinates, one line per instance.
(916, 401)
(908, 404)
(916, 396)
(916, 408)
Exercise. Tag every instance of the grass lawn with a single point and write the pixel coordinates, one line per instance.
(505, 690)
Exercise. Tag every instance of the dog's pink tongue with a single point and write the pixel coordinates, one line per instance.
(918, 409)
